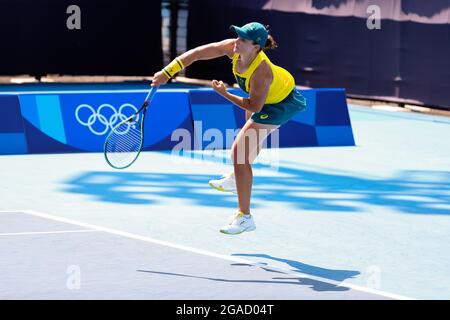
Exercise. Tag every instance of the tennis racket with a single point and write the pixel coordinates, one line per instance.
(125, 141)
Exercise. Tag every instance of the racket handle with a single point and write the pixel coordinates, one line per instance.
(151, 94)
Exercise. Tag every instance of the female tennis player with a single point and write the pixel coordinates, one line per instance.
(273, 100)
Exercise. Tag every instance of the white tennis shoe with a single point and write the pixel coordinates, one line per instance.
(226, 183)
(239, 223)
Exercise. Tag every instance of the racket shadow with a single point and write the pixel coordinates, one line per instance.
(315, 285)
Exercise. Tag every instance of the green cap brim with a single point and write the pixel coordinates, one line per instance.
(240, 32)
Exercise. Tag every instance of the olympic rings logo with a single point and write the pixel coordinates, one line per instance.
(114, 119)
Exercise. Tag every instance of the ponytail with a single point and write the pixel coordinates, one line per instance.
(270, 43)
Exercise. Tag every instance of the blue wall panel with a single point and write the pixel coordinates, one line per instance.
(13, 143)
(334, 136)
(12, 136)
(74, 121)
(211, 112)
(82, 121)
(50, 118)
(39, 142)
(325, 107)
(333, 108)
(296, 134)
(11, 120)
(29, 110)
(309, 115)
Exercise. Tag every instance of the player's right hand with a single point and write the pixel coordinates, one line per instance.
(159, 78)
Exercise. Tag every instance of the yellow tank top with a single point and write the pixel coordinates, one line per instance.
(282, 83)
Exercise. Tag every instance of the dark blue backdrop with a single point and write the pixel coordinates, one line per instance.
(116, 37)
(326, 43)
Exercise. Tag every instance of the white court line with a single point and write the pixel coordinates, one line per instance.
(45, 232)
(212, 254)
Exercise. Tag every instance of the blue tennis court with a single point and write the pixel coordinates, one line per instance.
(364, 222)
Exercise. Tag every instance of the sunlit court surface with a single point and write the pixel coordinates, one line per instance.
(106, 167)
(362, 222)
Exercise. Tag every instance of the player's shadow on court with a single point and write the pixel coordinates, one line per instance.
(313, 284)
(329, 279)
(413, 192)
(300, 267)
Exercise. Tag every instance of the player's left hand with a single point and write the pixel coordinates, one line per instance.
(219, 87)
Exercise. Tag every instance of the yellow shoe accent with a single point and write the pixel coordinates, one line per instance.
(230, 234)
(219, 188)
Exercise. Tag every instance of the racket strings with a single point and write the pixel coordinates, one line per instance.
(124, 145)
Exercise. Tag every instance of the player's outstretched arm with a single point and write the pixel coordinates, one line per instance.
(204, 52)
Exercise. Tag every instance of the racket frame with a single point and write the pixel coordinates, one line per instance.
(143, 108)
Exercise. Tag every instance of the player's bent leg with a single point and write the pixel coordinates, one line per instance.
(227, 182)
(244, 151)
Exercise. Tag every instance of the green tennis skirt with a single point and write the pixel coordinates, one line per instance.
(281, 112)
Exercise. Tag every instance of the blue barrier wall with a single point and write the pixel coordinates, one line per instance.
(79, 121)
(325, 122)
(12, 132)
